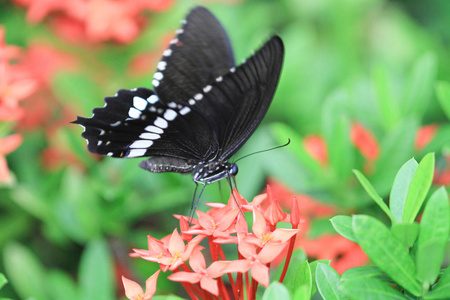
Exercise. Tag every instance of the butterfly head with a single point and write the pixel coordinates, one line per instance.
(210, 172)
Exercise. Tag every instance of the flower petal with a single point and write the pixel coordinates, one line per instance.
(176, 243)
(197, 261)
(150, 285)
(184, 277)
(270, 252)
(260, 273)
(259, 226)
(283, 235)
(216, 269)
(209, 285)
(132, 288)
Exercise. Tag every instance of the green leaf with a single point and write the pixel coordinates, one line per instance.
(61, 284)
(336, 130)
(302, 292)
(276, 291)
(302, 278)
(433, 237)
(369, 288)
(328, 282)
(96, 272)
(373, 194)
(443, 95)
(420, 86)
(442, 288)
(313, 267)
(419, 187)
(343, 226)
(400, 188)
(386, 252)
(361, 272)
(25, 272)
(385, 98)
(3, 280)
(406, 233)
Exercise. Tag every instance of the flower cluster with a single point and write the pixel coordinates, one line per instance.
(15, 85)
(223, 224)
(94, 20)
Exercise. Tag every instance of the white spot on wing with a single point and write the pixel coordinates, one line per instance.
(134, 90)
(161, 65)
(232, 70)
(155, 82)
(102, 132)
(183, 22)
(179, 31)
(207, 88)
(160, 122)
(158, 76)
(109, 154)
(167, 52)
(139, 103)
(170, 115)
(154, 129)
(198, 97)
(219, 79)
(149, 136)
(115, 124)
(185, 110)
(174, 41)
(99, 142)
(172, 104)
(191, 101)
(136, 152)
(152, 99)
(141, 144)
(134, 113)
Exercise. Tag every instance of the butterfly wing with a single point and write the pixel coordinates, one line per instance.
(135, 123)
(200, 53)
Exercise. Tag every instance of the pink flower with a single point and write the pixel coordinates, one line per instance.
(134, 291)
(255, 261)
(7, 145)
(201, 274)
(216, 227)
(274, 213)
(172, 254)
(262, 235)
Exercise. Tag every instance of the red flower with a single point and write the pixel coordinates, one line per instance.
(364, 141)
(315, 146)
(425, 135)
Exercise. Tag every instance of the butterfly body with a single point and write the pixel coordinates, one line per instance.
(202, 110)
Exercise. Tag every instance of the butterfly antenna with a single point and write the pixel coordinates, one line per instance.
(265, 150)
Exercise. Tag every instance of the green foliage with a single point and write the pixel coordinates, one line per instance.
(409, 254)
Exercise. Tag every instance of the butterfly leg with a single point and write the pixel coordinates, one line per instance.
(232, 193)
(195, 202)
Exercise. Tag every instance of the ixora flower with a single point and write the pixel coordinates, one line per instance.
(133, 290)
(211, 275)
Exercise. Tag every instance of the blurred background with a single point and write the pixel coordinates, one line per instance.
(365, 85)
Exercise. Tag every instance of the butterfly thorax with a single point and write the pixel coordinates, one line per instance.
(209, 172)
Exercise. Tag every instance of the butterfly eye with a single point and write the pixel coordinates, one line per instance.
(234, 170)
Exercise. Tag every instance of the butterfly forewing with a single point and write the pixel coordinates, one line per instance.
(200, 53)
(203, 108)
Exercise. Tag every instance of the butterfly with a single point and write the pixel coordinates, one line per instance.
(202, 110)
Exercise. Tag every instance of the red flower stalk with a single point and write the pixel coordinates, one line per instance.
(257, 249)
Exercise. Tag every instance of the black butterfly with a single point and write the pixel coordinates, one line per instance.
(202, 111)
